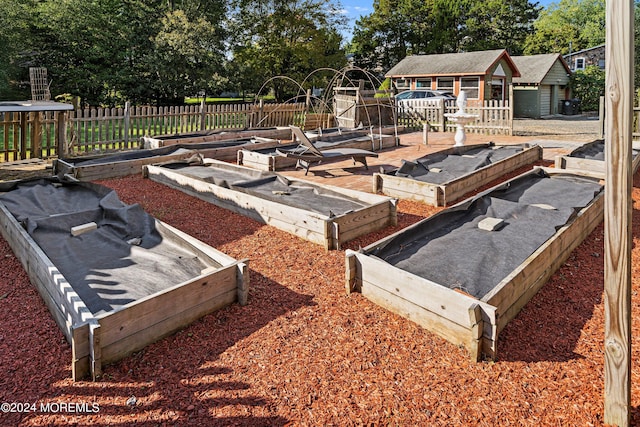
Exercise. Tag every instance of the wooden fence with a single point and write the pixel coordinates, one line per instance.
(99, 130)
(494, 117)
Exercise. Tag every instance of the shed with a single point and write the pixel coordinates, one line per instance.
(483, 75)
(542, 85)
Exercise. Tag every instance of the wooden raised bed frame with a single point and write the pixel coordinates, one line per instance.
(157, 141)
(330, 232)
(448, 192)
(273, 162)
(119, 168)
(591, 166)
(108, 337)
(459, 318)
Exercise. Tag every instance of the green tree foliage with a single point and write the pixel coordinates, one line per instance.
(14, 40)
(569, 24)
(284, 38)
(140, 50)
(398, 28)
(187, 54)
(588, 85)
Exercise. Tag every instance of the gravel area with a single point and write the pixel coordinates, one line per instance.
(576, 128)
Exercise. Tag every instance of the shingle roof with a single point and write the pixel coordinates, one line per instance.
(534, 68)
(449, 63)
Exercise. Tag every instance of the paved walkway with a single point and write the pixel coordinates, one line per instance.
(345, 174)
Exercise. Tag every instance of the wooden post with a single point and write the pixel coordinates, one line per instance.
(203, 114)
(61, 132)
(619, 59)
(127, 123)
(425, 133)
(36, 136)
(22, 150)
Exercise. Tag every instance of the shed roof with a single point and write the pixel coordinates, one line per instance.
(449, 64)
(534, 68)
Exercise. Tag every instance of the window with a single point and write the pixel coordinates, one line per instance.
(445, 84)
(470, 85)
(402, 83)
(579, 64)
(601, 64)
(423, 83)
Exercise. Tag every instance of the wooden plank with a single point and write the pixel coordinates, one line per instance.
(431, 296)
(166, 326)
(145, 312)
(619, 61)
(63, 302)
(80, 352)
(434, 323)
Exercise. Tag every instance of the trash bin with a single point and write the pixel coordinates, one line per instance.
(570, 107)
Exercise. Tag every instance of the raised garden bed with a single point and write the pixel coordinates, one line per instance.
(443, 177)
(268, 159)
(465, 272)
(589, 158)
(151, 142)
(325, 215)
(114, 278)
(91, 168)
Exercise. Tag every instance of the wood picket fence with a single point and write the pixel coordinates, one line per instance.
(99, 130)
(493, 117)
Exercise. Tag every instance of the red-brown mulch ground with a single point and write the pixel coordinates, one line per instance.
(302, 352)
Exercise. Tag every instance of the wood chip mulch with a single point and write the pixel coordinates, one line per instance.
(302, 352)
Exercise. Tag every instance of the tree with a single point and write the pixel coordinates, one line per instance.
(398, 28)
(14, 39)
(106, 51)
(500, 24)
(588, 86)
(187, 56)
(284, 38)
(568, 25)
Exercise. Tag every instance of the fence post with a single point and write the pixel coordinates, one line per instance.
(203, 114)
(127, 123)
(443, 118)
(36, 136)
(61, 132)
(510, 109)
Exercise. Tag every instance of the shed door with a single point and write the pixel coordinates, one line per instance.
(545, 100)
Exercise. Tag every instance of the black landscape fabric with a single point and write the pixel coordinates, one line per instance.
(439, 168)
(450, 249)
(273, 187)
(123, 260)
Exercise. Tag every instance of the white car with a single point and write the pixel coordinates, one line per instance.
(411, 98)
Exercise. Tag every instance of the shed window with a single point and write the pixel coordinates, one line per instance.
(470, 85)
(445, 84)
(580, 64)
(402, 83)
(423, 83)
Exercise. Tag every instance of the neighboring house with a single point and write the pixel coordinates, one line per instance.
(482, 75)
(541, 86)
(583, 58)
